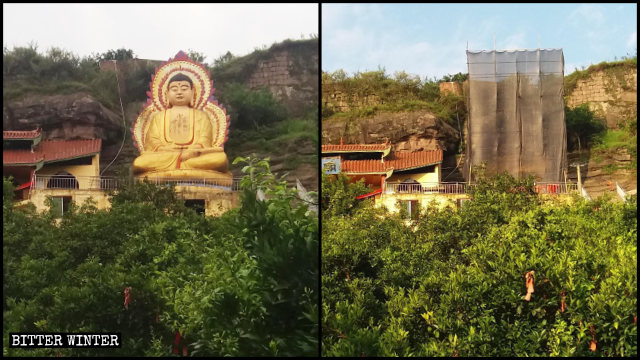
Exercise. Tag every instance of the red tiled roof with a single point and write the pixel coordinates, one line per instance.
(356, 148)
(52, 150)
(67, 149)
(21, 157)
(364, 167)
(11, 134)
(404, 160)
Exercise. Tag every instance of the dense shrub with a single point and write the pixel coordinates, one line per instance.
(243, 284)
(339, 196)
(454, 284)
(251, 109)
(582, 127)
(57, 71)
(137, 83)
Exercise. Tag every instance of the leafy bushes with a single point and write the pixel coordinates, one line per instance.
(453, 284)
(582, 127)
(244, 284)
(252, 109)
(339, 197)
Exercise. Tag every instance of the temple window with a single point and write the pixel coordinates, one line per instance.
(60, 205)
(198, 205)
(412, 207)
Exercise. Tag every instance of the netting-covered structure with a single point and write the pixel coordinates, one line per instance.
(516, 113)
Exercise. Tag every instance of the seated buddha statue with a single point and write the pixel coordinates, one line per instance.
(180, 138)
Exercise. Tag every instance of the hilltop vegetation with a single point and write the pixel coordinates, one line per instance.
(400, 92)
(25, 71)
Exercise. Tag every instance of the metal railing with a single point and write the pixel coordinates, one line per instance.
(463, 188)
(555, 188)
(73, 182)
(109, 183)
(426, 188)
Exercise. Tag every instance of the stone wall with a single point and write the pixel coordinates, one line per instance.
(337, 100)
(292, 78)
(610, 93)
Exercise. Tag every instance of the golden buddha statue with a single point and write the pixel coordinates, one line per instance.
(176, 137)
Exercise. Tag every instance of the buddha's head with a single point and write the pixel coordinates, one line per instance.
(180, 91)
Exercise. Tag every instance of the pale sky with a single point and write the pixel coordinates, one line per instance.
(157, 31)
(430, 40)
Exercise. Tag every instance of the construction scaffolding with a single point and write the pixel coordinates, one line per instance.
(516, 113)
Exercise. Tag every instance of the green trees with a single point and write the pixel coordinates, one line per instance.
(239, 285)
(582, 127)
(454, 283)
(252, 109)
(119, 54)
(339, 197)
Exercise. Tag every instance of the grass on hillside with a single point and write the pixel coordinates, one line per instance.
(610, 141)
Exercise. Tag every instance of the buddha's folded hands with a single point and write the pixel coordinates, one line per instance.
(193, 153)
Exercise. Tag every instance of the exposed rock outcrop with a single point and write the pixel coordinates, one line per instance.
(292, 78)
(411, 131)
(73, 116)
(611, 93)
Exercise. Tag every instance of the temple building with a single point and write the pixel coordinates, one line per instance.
(66, 170)
(410, 177)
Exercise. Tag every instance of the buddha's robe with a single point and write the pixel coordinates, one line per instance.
(194, 132)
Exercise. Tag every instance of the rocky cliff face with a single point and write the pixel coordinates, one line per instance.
(611, 93)
(292, 78)
(411, 131)
(74, 116)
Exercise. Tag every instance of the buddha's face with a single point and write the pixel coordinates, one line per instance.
(180, 93)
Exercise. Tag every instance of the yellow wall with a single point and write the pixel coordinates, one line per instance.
(216, 202)
(78, 196)
(79, 171)
(427, 177)
(444, 200)
(440, 200)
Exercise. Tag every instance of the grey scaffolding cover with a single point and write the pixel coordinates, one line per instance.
(516, 113)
